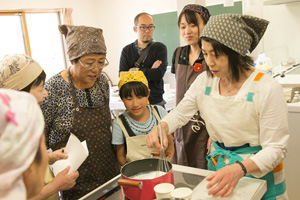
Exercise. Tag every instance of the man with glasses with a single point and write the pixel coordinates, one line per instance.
(154, 63)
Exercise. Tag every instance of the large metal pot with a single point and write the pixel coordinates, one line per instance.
(142, 189)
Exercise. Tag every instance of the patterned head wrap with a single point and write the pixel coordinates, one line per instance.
(21, 128)
(198, 9)
(17, 71)
(83, 40)
(240, 33)
(130, 76)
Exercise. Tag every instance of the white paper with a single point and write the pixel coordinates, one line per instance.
(245, 189)
(77, 153)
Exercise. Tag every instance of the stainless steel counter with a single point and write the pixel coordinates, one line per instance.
(183, 177)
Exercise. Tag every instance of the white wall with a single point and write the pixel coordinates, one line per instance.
(281, 40)
(84, 12)
(115, 17)
(283, 34)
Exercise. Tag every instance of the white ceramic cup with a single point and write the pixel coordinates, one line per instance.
(182, 193)
(163, 190)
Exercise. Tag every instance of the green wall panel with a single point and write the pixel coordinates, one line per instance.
(166, 31)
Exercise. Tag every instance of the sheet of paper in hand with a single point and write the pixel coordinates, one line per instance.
(77, 153)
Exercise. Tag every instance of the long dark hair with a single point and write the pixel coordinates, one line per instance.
(138, 88)
(238, 64)
(40, 79)
(190, 17)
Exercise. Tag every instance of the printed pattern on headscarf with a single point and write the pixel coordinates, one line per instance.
(17, 71)
(83, 40)
(21, 127)
(240, 33)
(198, 9)
(131, 76)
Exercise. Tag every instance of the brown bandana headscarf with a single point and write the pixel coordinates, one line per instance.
(198, 9)
(83, 40)
(240, 33)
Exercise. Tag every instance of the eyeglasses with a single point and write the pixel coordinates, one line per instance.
(144, 28)
(90, 66)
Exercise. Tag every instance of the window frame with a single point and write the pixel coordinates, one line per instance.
(25, 35)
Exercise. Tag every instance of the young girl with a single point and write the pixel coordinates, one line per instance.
(130, 129)
(20, 72)
(187, 64)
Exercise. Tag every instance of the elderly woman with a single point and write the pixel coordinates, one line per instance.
(23, 156)
(20, 72)
(78, 103)
(244, 110)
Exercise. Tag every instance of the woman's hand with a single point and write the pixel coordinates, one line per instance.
(65, 181)
(57, 155)
(208, 146)
(224, 180)
(153, 140)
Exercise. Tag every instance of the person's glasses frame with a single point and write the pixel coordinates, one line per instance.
(144, 28)
(93, 65)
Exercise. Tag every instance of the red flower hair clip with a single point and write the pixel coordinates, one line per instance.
(197, 67)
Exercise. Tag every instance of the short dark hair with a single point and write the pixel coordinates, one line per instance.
(41, 78)
(136, 19)
(237, 63)
(139, 89)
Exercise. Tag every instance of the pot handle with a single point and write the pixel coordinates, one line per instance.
(157, 153)
(130, 183)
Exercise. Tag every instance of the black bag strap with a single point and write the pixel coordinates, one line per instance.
(143, 54)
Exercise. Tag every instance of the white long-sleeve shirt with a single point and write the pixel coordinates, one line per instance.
(266, 121)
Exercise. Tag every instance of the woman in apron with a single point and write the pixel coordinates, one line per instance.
(187, 64)
(244, 110)
(78, 103)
